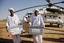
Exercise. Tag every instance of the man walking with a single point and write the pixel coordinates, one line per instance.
(13, 20)
(37, 20)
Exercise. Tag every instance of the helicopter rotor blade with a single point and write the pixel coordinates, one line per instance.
(53, 4)
(30, 8)
(59, 7)
(37, 6)
(48, 1)
(58, 2)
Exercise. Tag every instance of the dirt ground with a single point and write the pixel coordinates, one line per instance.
(52, 34)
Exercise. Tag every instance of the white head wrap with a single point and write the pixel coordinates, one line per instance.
(11, 9)
(26, 16)
(37, 9)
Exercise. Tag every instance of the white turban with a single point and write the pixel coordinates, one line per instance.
(11, 9)
(26, 16)
(36, 10)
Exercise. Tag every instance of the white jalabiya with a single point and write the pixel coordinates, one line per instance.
(37, 21)
(13, 21)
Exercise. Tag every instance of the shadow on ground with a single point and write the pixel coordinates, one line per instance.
(27, 36)
(23, 41)
(54, 29)
(55, 26)
(10, 41)
(55, 33)
(5, 40)
(54, 40)
(60, 40)
(2, 27)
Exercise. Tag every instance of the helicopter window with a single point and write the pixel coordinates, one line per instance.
(45, 16)
(40, 9)
(53, 16)
(50, 16)
(28, 16)
(59, 17)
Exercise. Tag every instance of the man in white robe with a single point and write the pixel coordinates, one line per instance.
(13, 20)
(24, 20)
(37, 20)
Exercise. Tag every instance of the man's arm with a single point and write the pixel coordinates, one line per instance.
(7, 24)
(31, 20)
(19, 22)
(42, 22)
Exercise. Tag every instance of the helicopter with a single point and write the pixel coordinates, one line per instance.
(52, 14)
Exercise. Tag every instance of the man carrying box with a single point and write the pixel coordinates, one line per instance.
(12, 21)
(37, 20)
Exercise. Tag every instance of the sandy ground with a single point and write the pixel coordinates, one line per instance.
(52, 34)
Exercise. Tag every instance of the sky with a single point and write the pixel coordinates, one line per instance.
(20, 4)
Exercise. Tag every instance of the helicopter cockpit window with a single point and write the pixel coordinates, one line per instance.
(40, 9)
(29, 13)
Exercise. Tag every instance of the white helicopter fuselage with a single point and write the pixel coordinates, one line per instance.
(52, 18)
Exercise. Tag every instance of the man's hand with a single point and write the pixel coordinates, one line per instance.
(30, 23)
(6, 28)
(43, 26)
